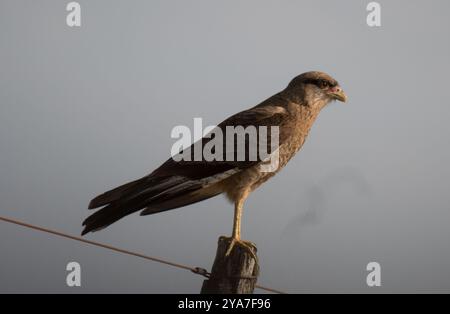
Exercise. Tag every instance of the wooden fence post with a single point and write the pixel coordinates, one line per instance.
(233, 274)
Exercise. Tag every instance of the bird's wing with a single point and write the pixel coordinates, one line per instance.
(268, 115)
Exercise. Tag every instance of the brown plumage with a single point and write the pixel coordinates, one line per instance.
(176, 184)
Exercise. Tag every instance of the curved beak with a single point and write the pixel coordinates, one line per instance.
(338, 94)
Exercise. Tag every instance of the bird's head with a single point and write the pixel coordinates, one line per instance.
(316, 88)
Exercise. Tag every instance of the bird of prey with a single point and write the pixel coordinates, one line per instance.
(179, 183)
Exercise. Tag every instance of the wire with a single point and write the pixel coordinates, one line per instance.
(196, 270)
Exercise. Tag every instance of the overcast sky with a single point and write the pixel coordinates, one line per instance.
(85, 109)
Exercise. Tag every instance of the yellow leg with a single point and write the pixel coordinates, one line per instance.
(238, 206)
(236, 235)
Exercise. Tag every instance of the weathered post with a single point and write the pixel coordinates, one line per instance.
(236, 273)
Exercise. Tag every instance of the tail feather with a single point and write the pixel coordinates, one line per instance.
(112, 195)
(110, 214)
(163, 193)
(180, 201)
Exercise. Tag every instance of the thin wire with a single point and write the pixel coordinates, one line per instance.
(196, 270)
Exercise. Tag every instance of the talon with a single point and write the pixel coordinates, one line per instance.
(230, 247)
(247, 245)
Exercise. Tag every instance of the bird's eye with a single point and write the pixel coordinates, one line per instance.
(324, 84)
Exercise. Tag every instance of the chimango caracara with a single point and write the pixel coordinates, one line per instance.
(179, 183)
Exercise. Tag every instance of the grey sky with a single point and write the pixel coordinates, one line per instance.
(85, 109)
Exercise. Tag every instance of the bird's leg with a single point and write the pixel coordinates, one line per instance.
(236, 235)
(238, 206)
